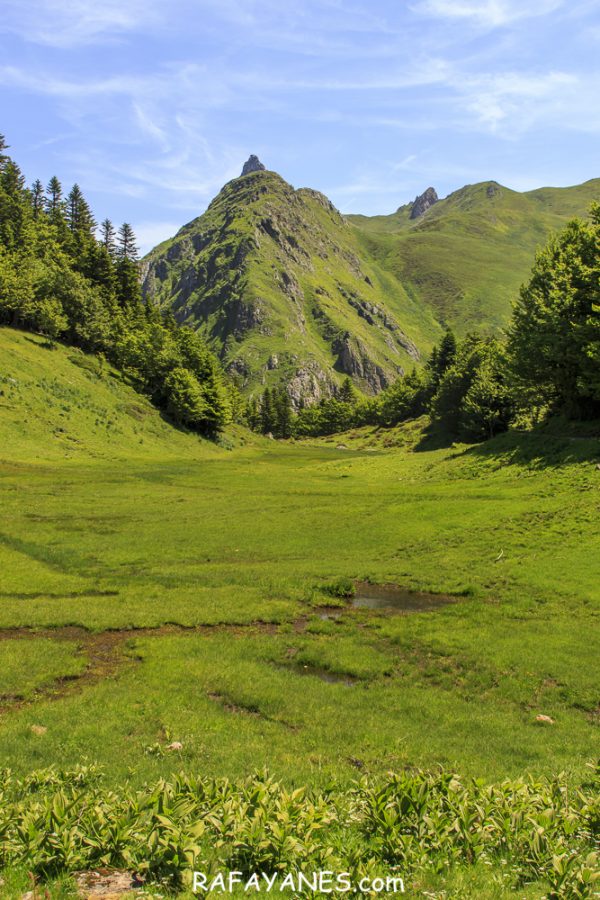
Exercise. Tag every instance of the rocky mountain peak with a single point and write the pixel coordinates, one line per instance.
(252, 164)
(423, 202)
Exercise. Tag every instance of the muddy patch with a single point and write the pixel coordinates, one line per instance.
(326, 675)
(103, 652)
(394, 598)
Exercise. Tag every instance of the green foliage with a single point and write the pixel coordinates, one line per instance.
(465, 387)
(58, 280)
(555, 332)
(185, 401)
(474, 398)
(62, 821)
(342, 588)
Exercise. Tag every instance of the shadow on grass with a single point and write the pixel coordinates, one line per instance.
(556, 443)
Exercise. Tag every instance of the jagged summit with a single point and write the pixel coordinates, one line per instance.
(423, 202)
(253, 164)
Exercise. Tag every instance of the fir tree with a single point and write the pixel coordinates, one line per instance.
(4, 157)
(347, 393)
(128, 286)
(283, 413)
(126, 246)
(38, 198)
(108, 237)
(15, 208)
(79, 215)
(54, 198)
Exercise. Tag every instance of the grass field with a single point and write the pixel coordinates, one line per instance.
(155, 588)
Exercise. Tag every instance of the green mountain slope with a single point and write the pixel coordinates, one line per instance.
(466, 257)
(58, 403)
(280, 285)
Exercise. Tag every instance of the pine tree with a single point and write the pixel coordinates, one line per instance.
(4, 157)
(38, 198)
(108, 237)
(79, 215)
(347, 392)
(128, 291)
(252, 414)
(442, 357)
(15, 208)
(55, 210)
(126, 246)
(54, 198)
(283, 410)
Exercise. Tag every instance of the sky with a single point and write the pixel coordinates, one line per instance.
(151, 106)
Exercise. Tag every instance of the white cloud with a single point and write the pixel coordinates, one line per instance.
(487, 13)
(70, 23)
(513, 102)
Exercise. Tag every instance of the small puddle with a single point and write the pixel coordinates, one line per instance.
(394, 597)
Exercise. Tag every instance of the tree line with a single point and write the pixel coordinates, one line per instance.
(547, 363)
(66, 278)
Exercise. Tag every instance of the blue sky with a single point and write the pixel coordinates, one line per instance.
(152, 105)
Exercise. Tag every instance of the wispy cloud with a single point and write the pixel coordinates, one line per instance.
(487, 13)
(162, 102)
(70, 23)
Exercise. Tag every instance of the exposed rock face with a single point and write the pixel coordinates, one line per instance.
(353, 360)
(493, 189)
(309, 385)
(252, 164)
(423, 202)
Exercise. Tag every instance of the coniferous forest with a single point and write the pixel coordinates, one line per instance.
(62, 276)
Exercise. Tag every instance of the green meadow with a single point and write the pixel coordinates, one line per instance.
(155, 588)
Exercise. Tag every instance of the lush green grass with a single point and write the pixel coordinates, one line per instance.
(235, 547)
(203, 536)
(28, 665)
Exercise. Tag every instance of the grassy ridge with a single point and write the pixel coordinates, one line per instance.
(466, 258)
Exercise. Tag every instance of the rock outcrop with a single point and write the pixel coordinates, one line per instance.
(423, 202)
(353, 360)
(253, 164)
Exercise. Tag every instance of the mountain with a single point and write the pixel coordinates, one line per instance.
(278, 282)
(286, 289)
(465, 257)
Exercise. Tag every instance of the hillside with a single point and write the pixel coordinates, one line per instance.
(59, 403)
(467, 255)
(278, 283)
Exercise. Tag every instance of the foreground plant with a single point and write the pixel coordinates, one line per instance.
(415, 822)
